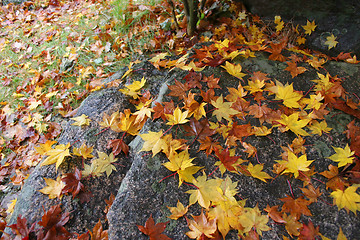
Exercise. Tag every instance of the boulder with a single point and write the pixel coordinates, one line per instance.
(142, 187)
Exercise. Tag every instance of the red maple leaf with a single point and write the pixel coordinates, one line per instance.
(52, 223)
(178, 89)
(199, 129)
(227, 160)
(72, 183)
(117, 146)
(154, 231)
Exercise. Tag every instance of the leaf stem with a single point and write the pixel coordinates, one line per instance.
(173, 174)
(292, 194)
(102, 131)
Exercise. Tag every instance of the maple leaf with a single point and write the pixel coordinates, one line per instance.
(206, 191)
(98, 233)
(223, 110)
(261, 131)
(292, 226)
(178, 90)
(57, 155)
(83, 151)
(72, 183)
(330, 41)
(142, 113)
(178, 211)
(292, 123)
(54, 188)
(104, 163)
(154, 231)
(309, 27)
(276, 51)
(256, 172)
(252, 218)
(209, 145)
(178, 117)
(153, 141)
(295, 164)
(43, 148)
(117, 146)
(309, 231)
(20, 229)
(200, 130)
(228, 160)
(335, 182)
(133, 89)
(348, 199)
(52, 223)
(342, 155)
(287, 94)
(127, 123)
(182, 164)
(311, 193)
(110, 121)
(313, 102)
(234, 70)
(319, 127)
(201, 227)
(341, 235)
(294, 69)
(274, 214)
(316, 63)
(296, 206)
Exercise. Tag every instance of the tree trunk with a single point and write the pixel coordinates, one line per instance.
(191, 12)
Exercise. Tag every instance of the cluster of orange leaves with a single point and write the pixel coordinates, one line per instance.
(220, 126)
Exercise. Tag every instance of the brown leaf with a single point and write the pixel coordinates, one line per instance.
(154, 231)
(72, 183)
(117, 146)
(200, 130)
(98, 233)
(178, 90)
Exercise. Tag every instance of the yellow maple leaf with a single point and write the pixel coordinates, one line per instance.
(261, 131)
(206, 191)
(343, 155)
(111, 121)
(142, 113)
(153, 141)
(201, 226)
(292, 123)
(224, 109)
(323, 84)
(82, 120)
(309, 27)
(11, 205)
(53, 188)
(128, 71)
(178, 211)
(104, 163)
(182, 164)
(295, 164)
(133, 89)
(319, 127)
(83, 151)
(57, 155)
(313, 102)
(43, 148)
(178, 117)
(256, 172)
(331, 42)
(127, 123)
(255, 86)
(347, 199)
(234, 70)
(287, 94)
(252, 218)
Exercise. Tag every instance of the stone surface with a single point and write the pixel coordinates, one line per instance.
(341, 18)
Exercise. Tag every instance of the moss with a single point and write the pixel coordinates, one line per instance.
(158, 187)
(322, 149)
(338, 121)
(91, 137)
(154, 163)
